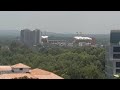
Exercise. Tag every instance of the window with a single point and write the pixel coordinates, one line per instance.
(116, 56)
(117, 71)
(117, 64)
(116, 49)
(12, 70)
(21, 68)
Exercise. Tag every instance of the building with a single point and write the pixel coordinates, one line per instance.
(25, 36)
(112, 63)
(58, 42)
(70, 44)
(83, 41)
(30, 38)
(114, 36)
(36, 36)
(21, 70)
(44, 39)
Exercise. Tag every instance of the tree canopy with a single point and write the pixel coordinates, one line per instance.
(67, 62)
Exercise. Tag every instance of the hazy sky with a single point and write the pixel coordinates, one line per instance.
(94, 22)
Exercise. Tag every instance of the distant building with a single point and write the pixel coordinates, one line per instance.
(113, 54)
(30, 38)
(58, 42)
(70, 44)
(83, 41)
(36, 36)
(25, 36)
(44, 39)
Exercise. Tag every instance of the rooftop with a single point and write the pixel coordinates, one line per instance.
(43, 74)
(115, 30)
(34, 73)
(15, 75)
(20, 65)
(39, 72)
(5, 68)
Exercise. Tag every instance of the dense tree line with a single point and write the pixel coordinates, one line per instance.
(67, 62)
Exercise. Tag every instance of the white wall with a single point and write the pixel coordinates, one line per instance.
(17, 70)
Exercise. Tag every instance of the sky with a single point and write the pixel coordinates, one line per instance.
(87, 22)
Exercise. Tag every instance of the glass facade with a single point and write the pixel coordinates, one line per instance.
(116, 49)
(113, 54)
(118, 64)
(115, 36)
(117, 71)
(116, 56)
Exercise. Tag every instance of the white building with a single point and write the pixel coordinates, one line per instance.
(83, 41)
(20, 68)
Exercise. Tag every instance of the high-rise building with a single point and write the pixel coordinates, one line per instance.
(29, 37)
(37, 37)
(22, 36)
(113, 54)
(25, 36)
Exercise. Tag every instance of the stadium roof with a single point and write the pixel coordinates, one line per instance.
(82, 38)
